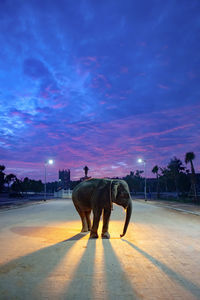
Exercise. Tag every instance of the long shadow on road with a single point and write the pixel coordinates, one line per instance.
(181, 280)
(21, 276)
(118, 283)
(82, 284)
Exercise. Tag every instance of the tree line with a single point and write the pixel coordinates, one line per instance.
(11, 184)
(175, 177)
(15, 186)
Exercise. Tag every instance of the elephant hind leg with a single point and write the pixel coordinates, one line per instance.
(87, 213)
(97, 215)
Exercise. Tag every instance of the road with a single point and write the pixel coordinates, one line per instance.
(43, 255)
(7, 202)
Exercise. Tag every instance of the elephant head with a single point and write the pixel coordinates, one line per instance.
(120, 195)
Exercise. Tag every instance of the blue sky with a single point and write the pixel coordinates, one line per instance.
(98, 83)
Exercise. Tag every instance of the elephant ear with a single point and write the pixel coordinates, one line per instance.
(102, 194)
(114, 190)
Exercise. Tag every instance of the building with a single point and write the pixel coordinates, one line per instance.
(62, 193)
(64, 179)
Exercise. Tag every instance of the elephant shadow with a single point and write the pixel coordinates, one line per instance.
(34, 267)
(176, 277)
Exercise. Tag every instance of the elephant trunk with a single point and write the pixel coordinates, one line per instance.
(128, 216)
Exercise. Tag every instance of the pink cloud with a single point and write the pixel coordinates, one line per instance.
(124, 69)
(53, 135)
(110, 96)
(165, 47)
(100, 81)
(191, 75)
(19, 113)
(89, 62)
(102, 102)
(162, 86)
(41, 125)
(143, 44)
(59, 105)
(141, 74)
(91, 58)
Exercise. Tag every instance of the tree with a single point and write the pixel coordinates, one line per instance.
(26, 185)
(175, 168)
(155, 171)
(2, 177)
(17, 186)
(135, 181)
(138, 173)
(31, 185)
(9, 179)
(189, 157)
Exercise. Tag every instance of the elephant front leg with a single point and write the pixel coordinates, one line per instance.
(95, 225)
(106, 217)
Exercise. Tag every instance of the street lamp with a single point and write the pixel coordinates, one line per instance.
(48, 162)
(142, 161)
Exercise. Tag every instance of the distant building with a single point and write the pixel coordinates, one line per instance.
(63, 193)
(64, 179)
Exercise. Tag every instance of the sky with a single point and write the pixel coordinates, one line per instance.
(98, 83)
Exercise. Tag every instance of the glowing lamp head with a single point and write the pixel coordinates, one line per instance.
(50, 161)
(140, 160)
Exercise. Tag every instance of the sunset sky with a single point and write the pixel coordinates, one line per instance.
(98, 83)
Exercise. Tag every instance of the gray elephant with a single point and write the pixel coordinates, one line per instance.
(98, 195)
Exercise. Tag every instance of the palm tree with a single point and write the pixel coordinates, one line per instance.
(189, 157)
(155, 171)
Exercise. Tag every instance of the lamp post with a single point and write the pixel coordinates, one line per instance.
(48, 162)
(142, 161)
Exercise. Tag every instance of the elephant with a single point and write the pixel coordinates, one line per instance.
(98, 195)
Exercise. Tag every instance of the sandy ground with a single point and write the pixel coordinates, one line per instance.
(44, 256)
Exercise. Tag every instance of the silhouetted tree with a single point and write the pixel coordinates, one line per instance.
(175, 167)
(155, 171)
(2, 177)
(17, 185)
(27, 185)
(9, 179)
(135, 181)
(189, 157)
(138, 173)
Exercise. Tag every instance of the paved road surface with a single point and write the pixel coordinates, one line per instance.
(6, 202)
(43, 256)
